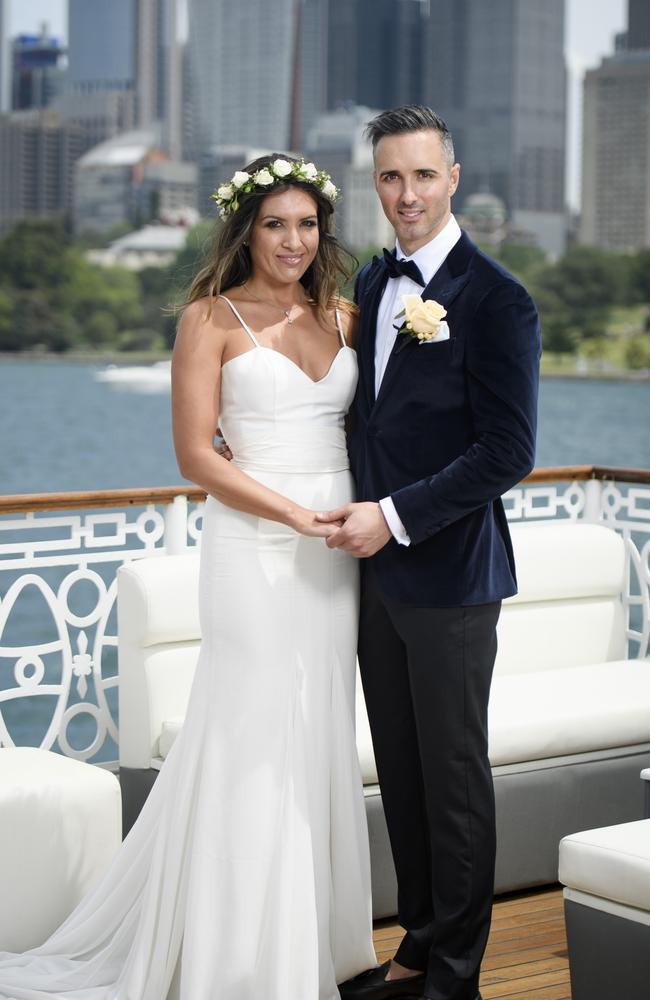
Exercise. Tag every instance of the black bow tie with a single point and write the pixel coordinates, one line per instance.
(396, 268)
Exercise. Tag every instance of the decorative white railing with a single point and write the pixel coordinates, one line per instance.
(59, 554)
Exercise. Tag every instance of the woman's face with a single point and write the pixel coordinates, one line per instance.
(284, 238)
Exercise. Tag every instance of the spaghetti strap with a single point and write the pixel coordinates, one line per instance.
(241, 320)
(339, 327)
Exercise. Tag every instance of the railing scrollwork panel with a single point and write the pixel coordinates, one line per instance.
(58, 618)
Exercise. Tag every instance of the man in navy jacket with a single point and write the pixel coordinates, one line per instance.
(441, 429)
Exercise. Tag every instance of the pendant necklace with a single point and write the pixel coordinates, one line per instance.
(267, 302)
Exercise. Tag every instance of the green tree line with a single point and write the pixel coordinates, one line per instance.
(52, 298)
(586, 298)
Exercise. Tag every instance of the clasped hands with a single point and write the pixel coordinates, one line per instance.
(359, 528)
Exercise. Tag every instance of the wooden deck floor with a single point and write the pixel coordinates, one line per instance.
(526, 957)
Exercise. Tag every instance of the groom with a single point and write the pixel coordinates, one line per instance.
(442, 429)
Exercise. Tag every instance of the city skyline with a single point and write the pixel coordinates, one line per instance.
(591, 26)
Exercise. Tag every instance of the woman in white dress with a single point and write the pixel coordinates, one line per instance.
(246, 876)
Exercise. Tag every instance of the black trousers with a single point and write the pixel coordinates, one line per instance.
(426, 676)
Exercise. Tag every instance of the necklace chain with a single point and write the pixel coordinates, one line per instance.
(287, 312)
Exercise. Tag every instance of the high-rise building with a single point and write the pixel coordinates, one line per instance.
(243, 61)
(342, 53)
(638, 24)
(130, 45)
(37, 75)
(258, 71)
(102, 114)
(389, 52)
(101, 44)
(5, 58)
(336, 143)
(37, 156)
(310, 83)
(615, 209)
(496, 74)
(158, 70)
(374, 52)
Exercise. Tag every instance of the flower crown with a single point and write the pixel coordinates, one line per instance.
(227, 195)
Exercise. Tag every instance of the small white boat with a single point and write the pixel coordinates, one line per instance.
(137, 378)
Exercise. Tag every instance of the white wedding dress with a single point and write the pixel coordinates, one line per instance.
(247, 875)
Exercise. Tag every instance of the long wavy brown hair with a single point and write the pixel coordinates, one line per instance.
(227, 259)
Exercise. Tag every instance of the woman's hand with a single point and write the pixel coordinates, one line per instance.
(305, 523)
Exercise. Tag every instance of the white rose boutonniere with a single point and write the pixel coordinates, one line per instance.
(422, 319)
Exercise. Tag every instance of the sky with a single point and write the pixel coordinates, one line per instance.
(590, 29)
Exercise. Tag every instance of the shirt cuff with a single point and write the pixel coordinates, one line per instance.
(393, 520)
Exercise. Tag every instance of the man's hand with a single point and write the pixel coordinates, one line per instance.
(363, 532)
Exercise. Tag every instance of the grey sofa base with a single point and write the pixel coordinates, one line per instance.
(609, 956)
(135, 783)
(537, 803)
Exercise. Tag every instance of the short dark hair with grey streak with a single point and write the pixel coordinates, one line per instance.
(410, 118)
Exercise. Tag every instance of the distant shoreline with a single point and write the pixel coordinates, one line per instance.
(150, 357)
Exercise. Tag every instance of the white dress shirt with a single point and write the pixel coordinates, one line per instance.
(428, 258)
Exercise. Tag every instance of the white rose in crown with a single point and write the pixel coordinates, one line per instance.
(330, 190)
(281, 168)
(423, 319)
(263, 177)
(240, 177)
(225, 191)
(309, 171)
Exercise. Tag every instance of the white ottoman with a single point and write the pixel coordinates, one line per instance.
(60, 826)
(606, 874)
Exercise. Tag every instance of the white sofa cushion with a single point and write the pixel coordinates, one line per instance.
(170, 730)
(538, 715)
(613, 863)
(61, 827)
(155, 685)
(548, 635)
(561, 560)
(555, 712)
(160, 601)
(568, 610)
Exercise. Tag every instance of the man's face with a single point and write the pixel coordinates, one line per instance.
(415, 183)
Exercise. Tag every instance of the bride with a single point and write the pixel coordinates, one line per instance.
(247, 876)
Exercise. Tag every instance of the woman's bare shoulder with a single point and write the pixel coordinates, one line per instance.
(204, 317)
(202, 328)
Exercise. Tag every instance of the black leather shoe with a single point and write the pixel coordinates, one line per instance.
(372, 985)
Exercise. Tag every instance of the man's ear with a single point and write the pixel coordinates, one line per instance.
(454, 178)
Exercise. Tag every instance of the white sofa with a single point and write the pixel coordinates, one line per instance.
(60, 829)
(569, 712)
(606, 874)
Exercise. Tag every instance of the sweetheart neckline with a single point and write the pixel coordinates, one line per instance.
(271, 350)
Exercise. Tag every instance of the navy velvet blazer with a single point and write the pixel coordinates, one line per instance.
(453, 427)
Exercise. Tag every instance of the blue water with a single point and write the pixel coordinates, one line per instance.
(61, 430)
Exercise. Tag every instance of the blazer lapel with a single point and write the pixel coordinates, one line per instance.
(369, 307)
(446, 284)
